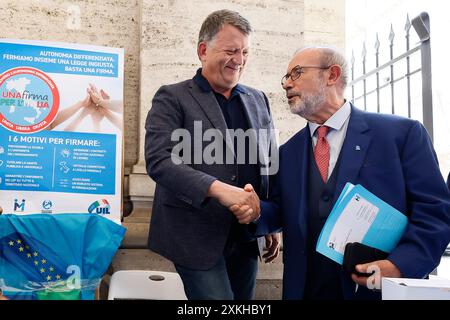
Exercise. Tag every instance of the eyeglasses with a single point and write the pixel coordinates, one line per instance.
(296, 72)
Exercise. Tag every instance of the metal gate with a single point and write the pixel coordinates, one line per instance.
(398, 69)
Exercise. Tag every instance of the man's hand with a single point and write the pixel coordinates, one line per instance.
(229, 195)
(1, 210)
(383, 268)
(273, 243)
(249, 211)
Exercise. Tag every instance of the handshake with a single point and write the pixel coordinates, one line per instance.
(243, 203)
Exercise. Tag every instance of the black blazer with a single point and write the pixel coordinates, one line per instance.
(186, 227)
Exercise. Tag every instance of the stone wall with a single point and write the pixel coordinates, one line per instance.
(160, 40)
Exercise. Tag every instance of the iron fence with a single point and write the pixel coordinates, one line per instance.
(396, 73)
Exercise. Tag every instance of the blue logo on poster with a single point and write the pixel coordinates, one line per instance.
(29, 100)
(100, 207)
(19, 206)
(47, 204)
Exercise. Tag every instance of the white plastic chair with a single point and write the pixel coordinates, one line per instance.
(146, 285)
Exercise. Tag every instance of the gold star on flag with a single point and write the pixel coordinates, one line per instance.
(42, 270)
(21, 249)
(52, 269)
(36, 262)
(35, 254)
(44, 261)
(27, 247)
(49, 278)
(19, 241)
(28, 255)
(58, 276)
(11, 243)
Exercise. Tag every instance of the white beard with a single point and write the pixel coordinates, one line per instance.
(309, 104)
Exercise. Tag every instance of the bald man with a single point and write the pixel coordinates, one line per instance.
(386, 154)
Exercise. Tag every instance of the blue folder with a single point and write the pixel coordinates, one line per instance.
(356, 206)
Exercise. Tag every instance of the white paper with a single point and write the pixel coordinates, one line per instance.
(353, 224)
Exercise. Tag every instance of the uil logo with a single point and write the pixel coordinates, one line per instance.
(19, 206)
(100, 207)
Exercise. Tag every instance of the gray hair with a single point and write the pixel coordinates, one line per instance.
(331, 56)
(217, 19)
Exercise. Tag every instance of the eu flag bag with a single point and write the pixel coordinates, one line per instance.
(62, 256)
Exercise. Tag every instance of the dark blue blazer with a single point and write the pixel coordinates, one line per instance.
(392, 157)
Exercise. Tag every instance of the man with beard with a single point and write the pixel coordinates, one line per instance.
(386, 154)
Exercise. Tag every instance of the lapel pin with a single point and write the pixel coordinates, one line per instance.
(357, 148)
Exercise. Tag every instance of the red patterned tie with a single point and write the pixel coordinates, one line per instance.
(322, 152)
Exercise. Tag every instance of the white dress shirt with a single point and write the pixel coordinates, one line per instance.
(338, 124)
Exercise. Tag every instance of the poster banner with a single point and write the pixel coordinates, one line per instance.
(61, 128)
